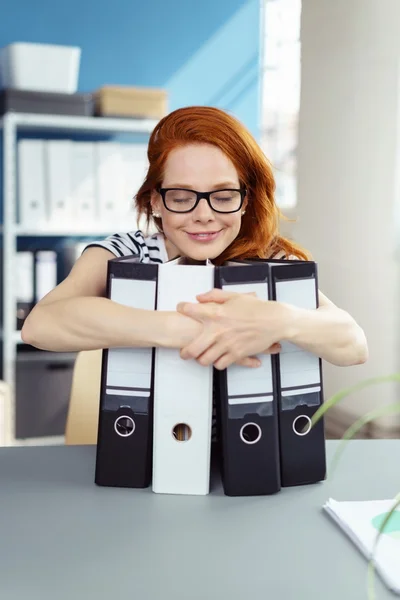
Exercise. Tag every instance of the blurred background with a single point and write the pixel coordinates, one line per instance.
(82, 86)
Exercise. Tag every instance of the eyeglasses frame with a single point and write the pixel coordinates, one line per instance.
(200, 195)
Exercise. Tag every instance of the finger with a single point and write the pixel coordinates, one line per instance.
(194, 310)
(226, 360)
(211, 355)
(198, 346)
(216, 295)
(274, 349)
(249, 361)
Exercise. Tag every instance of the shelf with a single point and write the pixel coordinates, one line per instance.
(75, 232)
(31, 122)
(14, 235)
(101, 232)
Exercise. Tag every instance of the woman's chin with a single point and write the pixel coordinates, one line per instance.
(203, 251)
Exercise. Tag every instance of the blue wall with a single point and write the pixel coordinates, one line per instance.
(202, 52)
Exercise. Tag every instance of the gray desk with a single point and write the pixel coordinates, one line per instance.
(63, 538)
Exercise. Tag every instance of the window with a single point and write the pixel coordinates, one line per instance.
(280, 93)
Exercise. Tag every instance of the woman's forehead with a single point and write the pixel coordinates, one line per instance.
(199, 164)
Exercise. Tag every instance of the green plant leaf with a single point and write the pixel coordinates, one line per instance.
(382, 411)
(371, 563)
(333, 400)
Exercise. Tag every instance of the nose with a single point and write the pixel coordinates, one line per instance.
(203, 212)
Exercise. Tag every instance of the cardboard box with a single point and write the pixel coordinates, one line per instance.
(117, 101)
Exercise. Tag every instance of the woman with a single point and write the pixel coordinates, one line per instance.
(235, 216)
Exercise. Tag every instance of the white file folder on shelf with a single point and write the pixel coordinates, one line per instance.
(45, 273)
(83, 190)
(58, 182)
(31, 183)
(110, 181)
(134, 165)
(182, 395)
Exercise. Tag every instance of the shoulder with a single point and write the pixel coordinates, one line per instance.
(146, 248)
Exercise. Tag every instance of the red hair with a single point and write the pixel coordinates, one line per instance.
(259, 235)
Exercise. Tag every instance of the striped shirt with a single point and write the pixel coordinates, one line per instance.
(149, 249)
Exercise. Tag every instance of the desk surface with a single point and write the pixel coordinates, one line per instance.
(63, 538)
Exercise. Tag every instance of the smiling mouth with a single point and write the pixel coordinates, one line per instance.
(205, 236)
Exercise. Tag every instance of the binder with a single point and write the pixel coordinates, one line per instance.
(58, 183)
(109, 181)
(45, 272)
(36, 275)
(83, 179)
(182, 394)
(246, 404)
(124, 446)
(134, 170)
(24, 285)
(31, 183)
(300, 383)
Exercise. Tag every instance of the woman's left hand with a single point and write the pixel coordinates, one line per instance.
(235, 326)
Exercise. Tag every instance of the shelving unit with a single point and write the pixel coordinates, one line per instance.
(11, 125)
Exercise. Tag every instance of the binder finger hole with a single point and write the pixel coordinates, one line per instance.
(250, 433)
(302, 425)
(182, 432)
(124, 426)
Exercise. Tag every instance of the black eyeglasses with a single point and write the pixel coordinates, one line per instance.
(181, 200)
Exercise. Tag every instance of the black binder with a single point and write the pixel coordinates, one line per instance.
(246, 404)
(124, 445)
(300, 384)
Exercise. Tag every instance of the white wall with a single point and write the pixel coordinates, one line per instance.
(348, 162)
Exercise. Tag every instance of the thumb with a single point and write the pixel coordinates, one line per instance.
(183, 308)
(194, 310)
(216, 295)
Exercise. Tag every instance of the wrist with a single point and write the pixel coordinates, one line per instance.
(164, 328)
(289, 317)
(175, 330)
(292, 322)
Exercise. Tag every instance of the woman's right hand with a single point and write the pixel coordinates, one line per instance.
(183, 330)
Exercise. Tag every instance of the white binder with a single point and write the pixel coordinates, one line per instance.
(134, 165)
(46, 273)
(109, 181)
(83, 183)
(31, 182)
(58, 182)
(182, 394)
(5, 414)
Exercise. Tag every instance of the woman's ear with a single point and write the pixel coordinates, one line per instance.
(155, 202)
(246, 201)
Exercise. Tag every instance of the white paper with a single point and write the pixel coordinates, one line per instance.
(361, 522)
(130, 368)
(297, 366)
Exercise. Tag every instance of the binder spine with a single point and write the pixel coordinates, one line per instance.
(124, 446)
(182, 395)
(248, 404)
(300, 384)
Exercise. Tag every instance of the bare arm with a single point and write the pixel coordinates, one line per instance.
(329, 332)
(76, 315)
